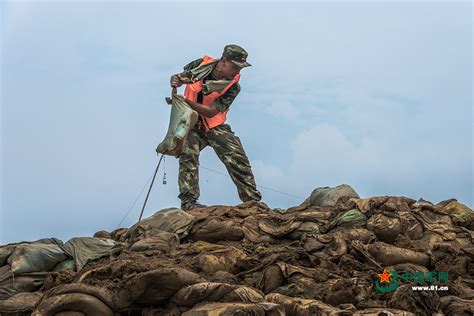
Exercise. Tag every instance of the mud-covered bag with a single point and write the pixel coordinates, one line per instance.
(182, 119)
(327, 196)
(171, 220)
(460, 214)
(385, 228)
(351, 218)
(83, 249)
(36, 257)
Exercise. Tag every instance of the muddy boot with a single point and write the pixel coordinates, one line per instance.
(191, 205)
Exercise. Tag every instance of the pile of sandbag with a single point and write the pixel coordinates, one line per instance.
(25, 266)
(323, 257)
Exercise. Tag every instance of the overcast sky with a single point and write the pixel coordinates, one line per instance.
(375, 95)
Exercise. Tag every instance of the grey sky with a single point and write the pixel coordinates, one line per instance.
(376, 95)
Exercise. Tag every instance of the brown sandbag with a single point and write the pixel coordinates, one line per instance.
(301, 307)
(19, 303)
(230, 309)
(5, 252)
(216, 292)
(156, 286)
(215, 229)
(382, 312)
(361, 234)
(73, 302)
(435, 222)
(421, 302)
(411, 227)
(27, 282)
(253, 233)
(369, 204)
(384, 227)
(452, 305)
(389, 255)
(162, 240)
(212, 258)
(171, 220)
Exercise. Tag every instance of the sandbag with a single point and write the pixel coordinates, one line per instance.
(228, 309)
(68, 264)
(163, 241)
(157, 286)
(369, 204)
(73, 302)
(460, 214)
(452, 305)
(13, 284)
(83, 249)
(411, 227)
(421, 302)
(384, 227)
(216, 292)
(382, 312)
(389, 255)
(301, 307)
(5, 252)
(79, 298)
(171, 220)
(182, 119)
(327, 196)
(211, 258)
(19, 303)
(351, 218)
(35, 257)
(215, 229)
(305, 228)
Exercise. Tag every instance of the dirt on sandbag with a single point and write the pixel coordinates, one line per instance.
(373, 256)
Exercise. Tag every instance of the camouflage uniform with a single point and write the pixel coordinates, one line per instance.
(225, 143)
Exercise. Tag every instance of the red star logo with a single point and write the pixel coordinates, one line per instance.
(385, 276)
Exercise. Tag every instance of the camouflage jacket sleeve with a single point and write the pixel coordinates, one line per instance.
(224, 101)
(191, 65)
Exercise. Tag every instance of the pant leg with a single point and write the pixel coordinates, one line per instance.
(188, 179)
(230, 151)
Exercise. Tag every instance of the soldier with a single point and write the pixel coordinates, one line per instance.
(211, 87)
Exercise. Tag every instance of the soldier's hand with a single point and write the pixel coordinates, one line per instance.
(175, 82)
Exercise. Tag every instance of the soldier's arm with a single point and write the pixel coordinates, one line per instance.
(178, 79)
(224, 101)
(205, 110)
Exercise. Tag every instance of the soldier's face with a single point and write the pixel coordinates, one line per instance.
(225, 69)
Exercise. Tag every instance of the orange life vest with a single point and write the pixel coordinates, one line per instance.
(192, 90)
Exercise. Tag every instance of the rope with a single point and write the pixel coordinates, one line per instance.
(154, 175)
(134, 202)
(261, 186)
(151, 185)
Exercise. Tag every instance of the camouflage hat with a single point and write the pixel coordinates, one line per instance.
(237, 55)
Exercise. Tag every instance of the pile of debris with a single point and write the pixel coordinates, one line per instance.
(336, 254)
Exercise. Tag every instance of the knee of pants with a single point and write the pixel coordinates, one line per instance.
(189, 156)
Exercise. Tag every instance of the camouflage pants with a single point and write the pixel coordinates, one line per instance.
(230, 151)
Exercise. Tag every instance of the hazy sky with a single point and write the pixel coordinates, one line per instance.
(375, 95)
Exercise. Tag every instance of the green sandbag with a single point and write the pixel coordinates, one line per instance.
(35, 257)
(182, 119)
(352, 218)
(65, 265)
(460, 214)
(83, 249)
